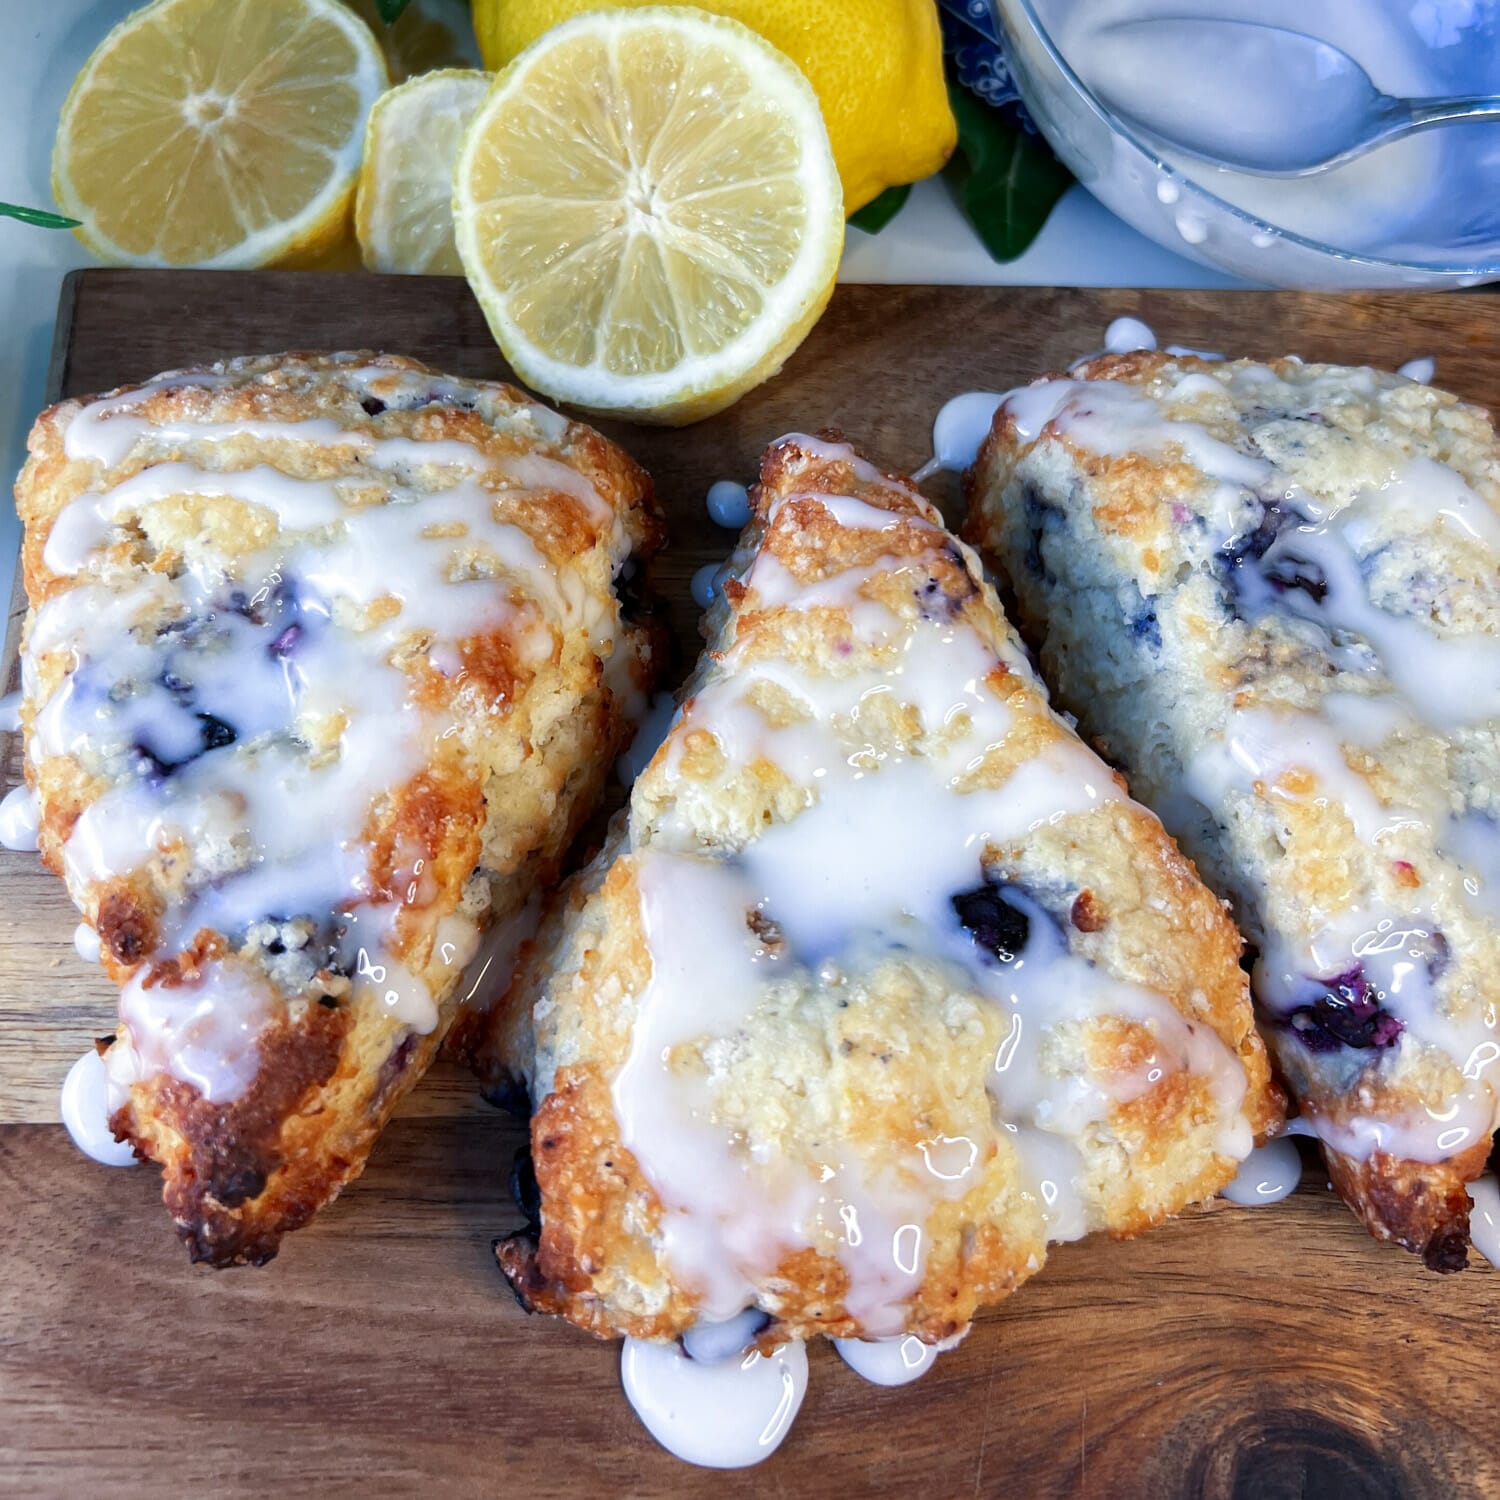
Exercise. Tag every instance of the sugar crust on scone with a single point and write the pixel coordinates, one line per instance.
(323, 668)
(882, 983)
(1271, 593)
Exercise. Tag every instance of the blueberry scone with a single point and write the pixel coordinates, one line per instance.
(1272, 594)
(882, 982)
(324, 665)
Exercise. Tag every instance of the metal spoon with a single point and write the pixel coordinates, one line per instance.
(1258, 98)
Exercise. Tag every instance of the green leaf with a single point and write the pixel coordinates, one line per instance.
(390, 9)
(880, 210)
(1006, 180)
(38, 216)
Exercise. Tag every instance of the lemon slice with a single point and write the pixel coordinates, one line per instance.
(649, 213)
(218, 132)
(403, 213)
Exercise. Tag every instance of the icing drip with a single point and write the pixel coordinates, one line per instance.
(728, 504)
(885, 858)
(961, 426)
(895, 1361)
(1325, 575)
(724, 1415)
(706, 583)
(86, 943)
(19, 815)
(1126, 335)
(261, 719)
(1269, 1174)
(710, 1343)
(653, 729)
(1484, 1218)
(86, 1108)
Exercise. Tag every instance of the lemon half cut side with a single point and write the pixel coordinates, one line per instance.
(403, 211)
(649, 213)
(219, 133)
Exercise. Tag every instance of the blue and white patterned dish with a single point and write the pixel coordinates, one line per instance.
(971, 39)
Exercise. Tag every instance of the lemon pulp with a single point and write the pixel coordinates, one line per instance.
(648, 210)
(218, 132)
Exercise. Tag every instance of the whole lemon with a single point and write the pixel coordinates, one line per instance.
(875, 65)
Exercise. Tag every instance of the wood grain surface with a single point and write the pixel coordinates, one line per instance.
(1246, 1353)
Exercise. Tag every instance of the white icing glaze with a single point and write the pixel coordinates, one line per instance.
(1421, 370)
(706, 583)
(961, 426)
(1126, 335)
(1423, 493)
(1448, 680)
(1474, 841)
(894, 1361)
(1193, 227)
(1111, 418)
(19, 819)
(104, 431)
(725, 1415)
(1394, 960)
(728, 504)
(10, 713)
(86, 943)
(262, 729)
(711, 1343)
(652, 730)
(204, 1033)
(1260, 746)
(85, 1107)
(871, 863)
(552, 425)
(488, 959)
(1391, 675)
(1269, 1174)
(1484, 1217)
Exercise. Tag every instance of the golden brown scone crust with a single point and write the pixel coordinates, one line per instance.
(1169, 601)
(891, 1052)
(519, 684)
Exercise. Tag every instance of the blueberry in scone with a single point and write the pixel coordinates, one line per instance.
(1315, 713)
(882, 983)
(324, 666)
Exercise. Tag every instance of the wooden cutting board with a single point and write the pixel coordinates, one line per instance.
(1240, 1352)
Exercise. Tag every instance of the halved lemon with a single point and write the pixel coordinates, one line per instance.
(403, 213)
(219, 132)
(648, 211)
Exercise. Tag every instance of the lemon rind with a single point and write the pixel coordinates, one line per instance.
(701, 384)
(322, 219)
(372, 222)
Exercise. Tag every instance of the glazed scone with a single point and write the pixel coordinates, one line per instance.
(884, 984)
(324, 666)
(1272, 595)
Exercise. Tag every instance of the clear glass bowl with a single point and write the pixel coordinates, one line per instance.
(1128, 176)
